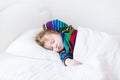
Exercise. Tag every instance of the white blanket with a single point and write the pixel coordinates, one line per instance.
(98, 52)
(98, 48)
(23, 68)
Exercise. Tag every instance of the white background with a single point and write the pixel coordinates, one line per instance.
(103, 15)
(100, 15)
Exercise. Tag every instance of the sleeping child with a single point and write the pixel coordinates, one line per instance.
(59, 37)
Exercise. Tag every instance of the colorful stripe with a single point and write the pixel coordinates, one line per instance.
(68, 34)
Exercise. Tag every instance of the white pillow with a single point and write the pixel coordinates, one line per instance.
(26, 46)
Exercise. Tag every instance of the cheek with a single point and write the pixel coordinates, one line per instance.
(61, 40)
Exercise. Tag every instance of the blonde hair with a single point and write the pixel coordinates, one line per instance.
(39, 38)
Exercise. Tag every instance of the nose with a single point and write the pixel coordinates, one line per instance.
(54, 46)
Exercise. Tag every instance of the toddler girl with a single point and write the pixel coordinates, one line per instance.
(58, 36)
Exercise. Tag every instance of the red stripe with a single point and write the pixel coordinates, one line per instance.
(72, 38)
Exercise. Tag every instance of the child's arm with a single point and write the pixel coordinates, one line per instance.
(71, 62)
(67, 59)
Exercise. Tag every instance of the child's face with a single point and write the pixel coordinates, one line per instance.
(53, 42)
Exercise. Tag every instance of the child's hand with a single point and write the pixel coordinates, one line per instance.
(72, 62)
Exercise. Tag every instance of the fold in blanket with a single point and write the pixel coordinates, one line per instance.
(100, 46)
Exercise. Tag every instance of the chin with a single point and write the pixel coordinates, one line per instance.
(58, 51)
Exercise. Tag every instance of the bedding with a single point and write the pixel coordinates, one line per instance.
(26, 46)
(28, 61)
(24, 68)
(99, 46)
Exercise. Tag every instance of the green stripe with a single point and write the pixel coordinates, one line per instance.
(67, 40)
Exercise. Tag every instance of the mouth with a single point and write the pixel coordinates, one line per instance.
(59, 46)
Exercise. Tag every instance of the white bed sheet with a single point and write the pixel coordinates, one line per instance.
(13, 67)
(104, 48)
(23, 68)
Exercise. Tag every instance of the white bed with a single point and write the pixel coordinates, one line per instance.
(25, 60)
(28, 61)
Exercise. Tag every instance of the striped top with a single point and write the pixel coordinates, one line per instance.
(68, 34)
